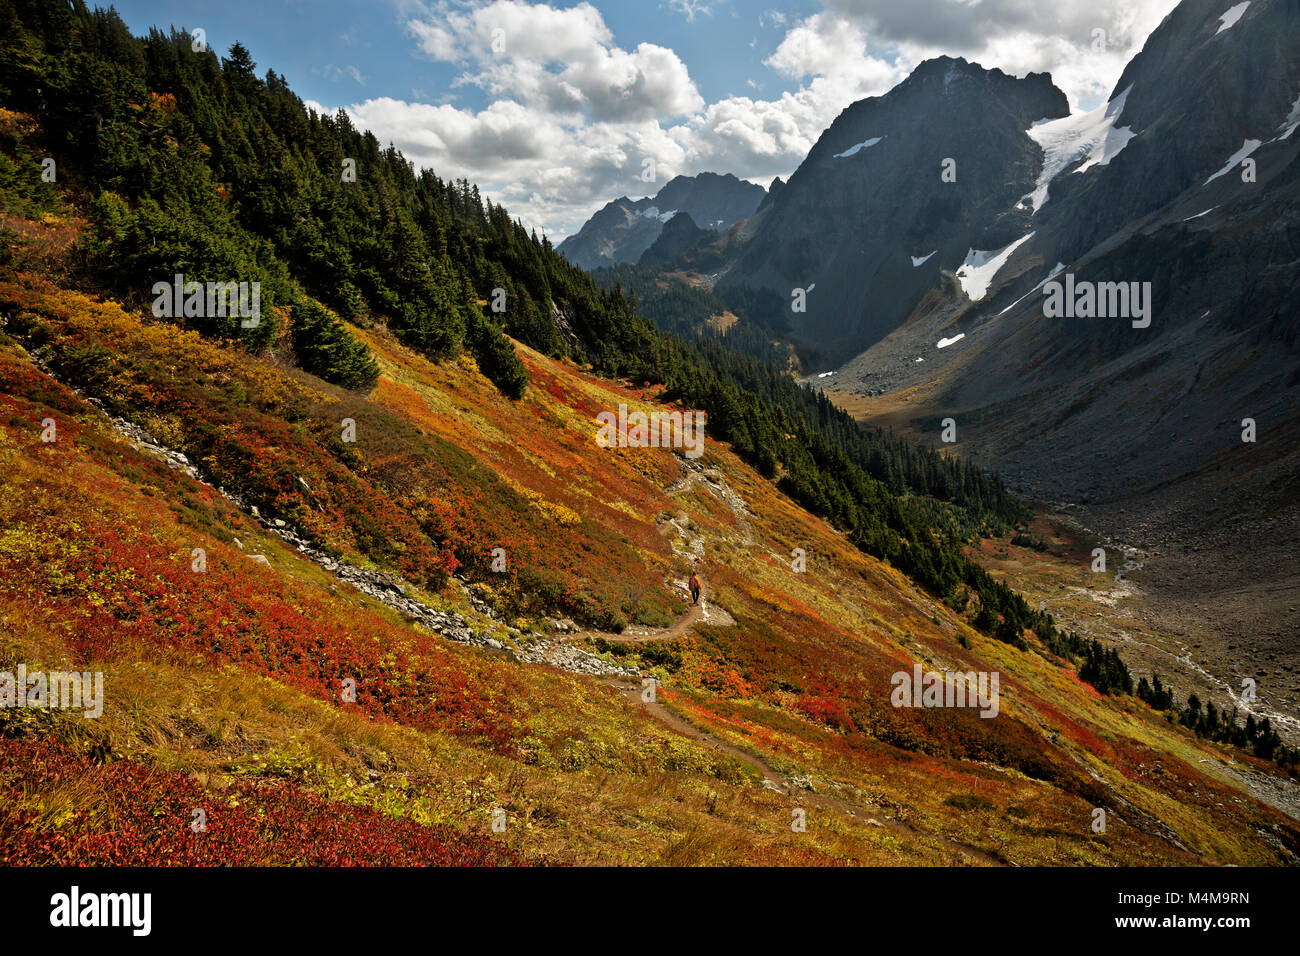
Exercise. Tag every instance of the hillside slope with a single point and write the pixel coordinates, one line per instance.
(232, 677)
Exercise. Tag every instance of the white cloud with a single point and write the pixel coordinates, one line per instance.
(332, 72)
(760, 139)
(821, 45)
(690, 9)
(564, 60)
(531, 31)
(1015, 36)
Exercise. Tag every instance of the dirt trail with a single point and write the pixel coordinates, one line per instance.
(701, 613)
(639, 635)
(778, 782)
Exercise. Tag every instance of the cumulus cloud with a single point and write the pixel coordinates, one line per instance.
(561, 59)
(760, 139)
(572, 115)
(971, 24)
(1060, 37)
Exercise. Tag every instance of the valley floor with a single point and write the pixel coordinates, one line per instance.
(1200, 581)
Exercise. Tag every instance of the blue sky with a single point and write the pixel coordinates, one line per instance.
(555, 108)
(317, 44)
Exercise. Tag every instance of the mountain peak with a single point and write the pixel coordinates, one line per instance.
(883, 160)
(714, 201)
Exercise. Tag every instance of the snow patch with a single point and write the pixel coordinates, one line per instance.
(1248, 147)
(977, 272)
(1200, 214)
(1228, 20)
(920, 359)
(1056, 271)
(865, 144)
(921, 260)
(944, 343)
(1092, 137)
(824, 374)
(1292, 122)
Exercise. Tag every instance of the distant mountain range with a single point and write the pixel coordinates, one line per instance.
(968, 187)
(626, 228)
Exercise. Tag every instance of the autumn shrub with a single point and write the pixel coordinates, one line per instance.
(61, 808)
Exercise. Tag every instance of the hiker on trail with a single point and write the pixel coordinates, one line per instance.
(695, 588)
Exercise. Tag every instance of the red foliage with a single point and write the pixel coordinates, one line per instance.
(143, 818)
(109, 587)
(826, 710)
(417, 491)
